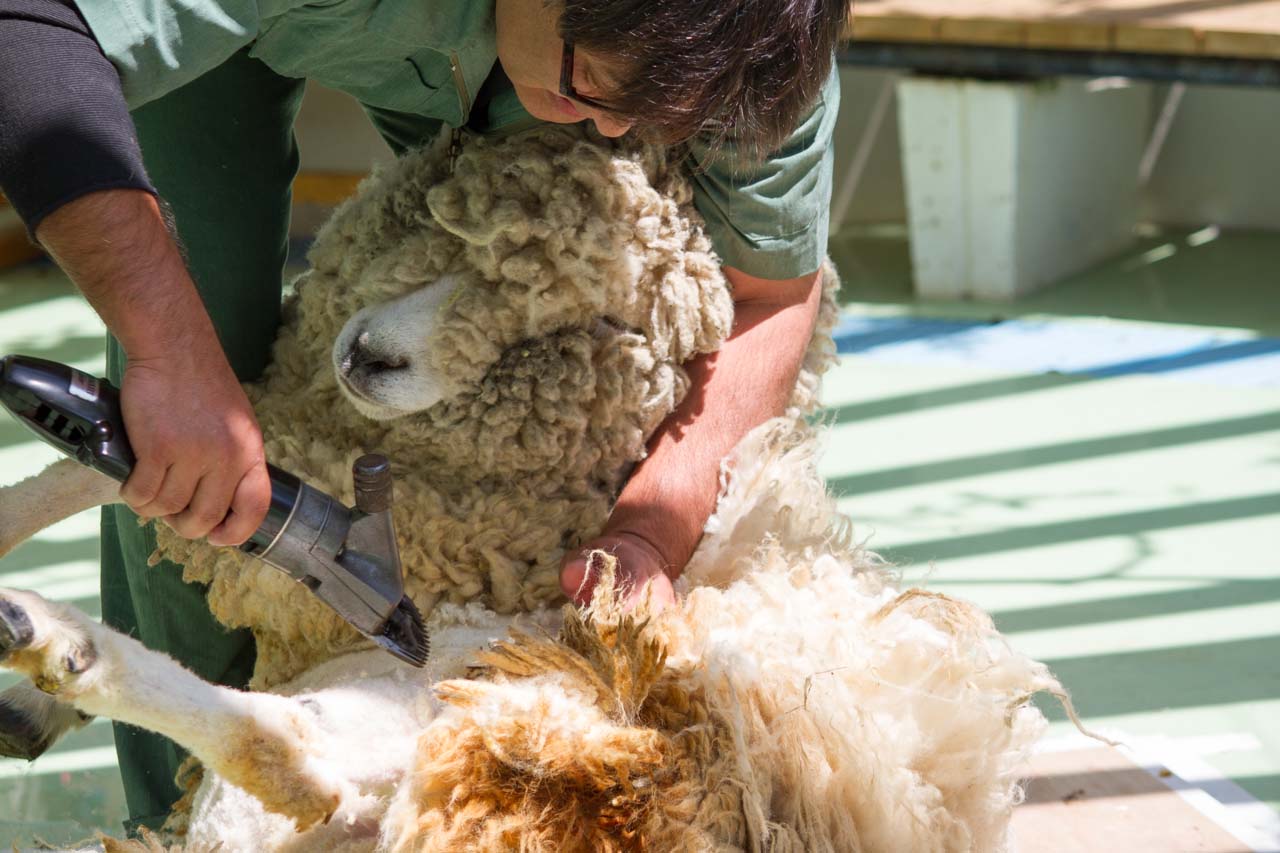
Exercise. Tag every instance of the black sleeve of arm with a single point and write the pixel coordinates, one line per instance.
(65, 129)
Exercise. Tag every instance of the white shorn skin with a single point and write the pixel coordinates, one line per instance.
(313, 767)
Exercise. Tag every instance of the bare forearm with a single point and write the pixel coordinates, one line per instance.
(198, 446)
(116, 247)
(751, 379)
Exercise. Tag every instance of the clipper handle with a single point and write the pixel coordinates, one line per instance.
(80, 415)
(71, 410)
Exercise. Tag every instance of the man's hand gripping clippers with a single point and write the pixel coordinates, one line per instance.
(347, 556)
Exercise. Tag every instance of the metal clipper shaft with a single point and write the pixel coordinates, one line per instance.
(346, 556)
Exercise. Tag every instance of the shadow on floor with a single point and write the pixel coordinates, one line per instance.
(1186, 676)
(1115, 524)
(1053, 454)
(1225, 593)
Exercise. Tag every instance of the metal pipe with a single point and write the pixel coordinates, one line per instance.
(1004, 63)
(1160, 133)
(853, 175)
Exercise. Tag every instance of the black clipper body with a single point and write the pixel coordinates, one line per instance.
(346, 556)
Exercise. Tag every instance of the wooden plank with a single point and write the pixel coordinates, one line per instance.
(1143, 39)
(1243, 29)
(893, 28)
(325, 188)
(996, 32)
(1097, 799)
(1080, 35)
(15, 247)
(1240, 44)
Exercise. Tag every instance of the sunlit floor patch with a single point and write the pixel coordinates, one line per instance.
(75, 789)
(1108, 489)
(1091, 347)
(61, 762)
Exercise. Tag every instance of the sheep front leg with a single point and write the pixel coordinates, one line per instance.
(59, 491)
(31, 721)
(264, 744)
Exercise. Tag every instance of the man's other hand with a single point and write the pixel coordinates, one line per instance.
(640, 567)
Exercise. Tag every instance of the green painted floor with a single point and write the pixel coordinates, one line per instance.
(1124, 528)
(74, 789)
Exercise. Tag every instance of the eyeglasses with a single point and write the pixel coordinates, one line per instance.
(566, 80)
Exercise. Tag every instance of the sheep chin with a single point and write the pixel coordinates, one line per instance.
(370, 408)
(374, 411)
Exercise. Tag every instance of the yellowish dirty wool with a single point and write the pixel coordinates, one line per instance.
(804, 705)
(147, 842)
(588, 743)
(588, 281)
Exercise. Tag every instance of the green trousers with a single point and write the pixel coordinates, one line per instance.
(222, 154)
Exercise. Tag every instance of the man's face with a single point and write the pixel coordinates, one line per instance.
(529, 48)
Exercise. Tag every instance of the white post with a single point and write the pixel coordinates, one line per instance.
(1012, 186)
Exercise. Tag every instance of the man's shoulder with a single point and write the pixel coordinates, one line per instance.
(412, 56)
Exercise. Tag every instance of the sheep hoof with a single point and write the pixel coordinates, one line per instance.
(16, 631)
(79, 659)
(20, 735)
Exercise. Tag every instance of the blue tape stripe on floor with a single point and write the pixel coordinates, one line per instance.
(1101, 348)
(860, 334)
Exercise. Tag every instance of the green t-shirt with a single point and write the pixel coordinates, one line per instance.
(418, 64)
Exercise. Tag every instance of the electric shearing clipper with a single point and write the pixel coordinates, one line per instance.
(346, 556)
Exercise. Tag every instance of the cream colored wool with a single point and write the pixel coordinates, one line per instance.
(804, 704)
(588, 280)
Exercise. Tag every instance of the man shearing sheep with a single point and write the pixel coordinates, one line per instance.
(148, 146)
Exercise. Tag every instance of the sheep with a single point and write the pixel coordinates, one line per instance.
(508, 327)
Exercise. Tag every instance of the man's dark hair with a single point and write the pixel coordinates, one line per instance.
(743, 71)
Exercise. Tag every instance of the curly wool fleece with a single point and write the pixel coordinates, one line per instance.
(794, 701)
(587, 281)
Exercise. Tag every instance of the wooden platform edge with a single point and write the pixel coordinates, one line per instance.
(1154, 785)
(1051, 34)
(326, 189)
(15, 247)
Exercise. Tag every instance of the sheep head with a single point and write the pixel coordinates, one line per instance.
(523, 313)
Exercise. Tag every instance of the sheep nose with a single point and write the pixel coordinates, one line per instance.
(366, 358)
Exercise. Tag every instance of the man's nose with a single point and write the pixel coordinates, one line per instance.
(611, 127)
